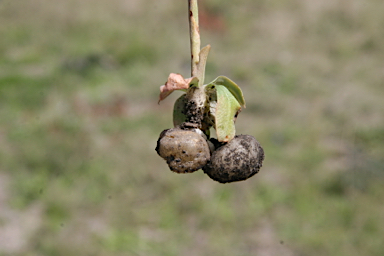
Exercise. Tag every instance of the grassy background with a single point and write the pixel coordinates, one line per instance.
(79, 120)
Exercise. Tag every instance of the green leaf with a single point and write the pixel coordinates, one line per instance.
(232, 87)
(178, 111)
(203, 55)
(224, 108)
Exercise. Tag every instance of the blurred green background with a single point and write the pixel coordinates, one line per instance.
(79, 120)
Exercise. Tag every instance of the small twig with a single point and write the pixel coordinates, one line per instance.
(194, 34)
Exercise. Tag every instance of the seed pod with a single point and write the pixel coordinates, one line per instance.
(184, 150)
(237, 160)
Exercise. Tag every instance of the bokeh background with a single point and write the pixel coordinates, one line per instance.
(79, 120)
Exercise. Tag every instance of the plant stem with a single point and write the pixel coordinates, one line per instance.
(194, 35)
(196, 98)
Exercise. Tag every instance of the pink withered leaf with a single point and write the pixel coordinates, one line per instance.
(175, 82)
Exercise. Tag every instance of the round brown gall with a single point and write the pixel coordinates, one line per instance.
(237, 160)
(184, 150)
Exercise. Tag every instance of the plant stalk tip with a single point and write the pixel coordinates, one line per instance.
(194, 34)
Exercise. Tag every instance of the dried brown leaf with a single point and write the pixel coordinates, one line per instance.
(174, 82)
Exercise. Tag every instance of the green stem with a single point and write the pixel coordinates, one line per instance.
(194, 34)
(196, 98)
